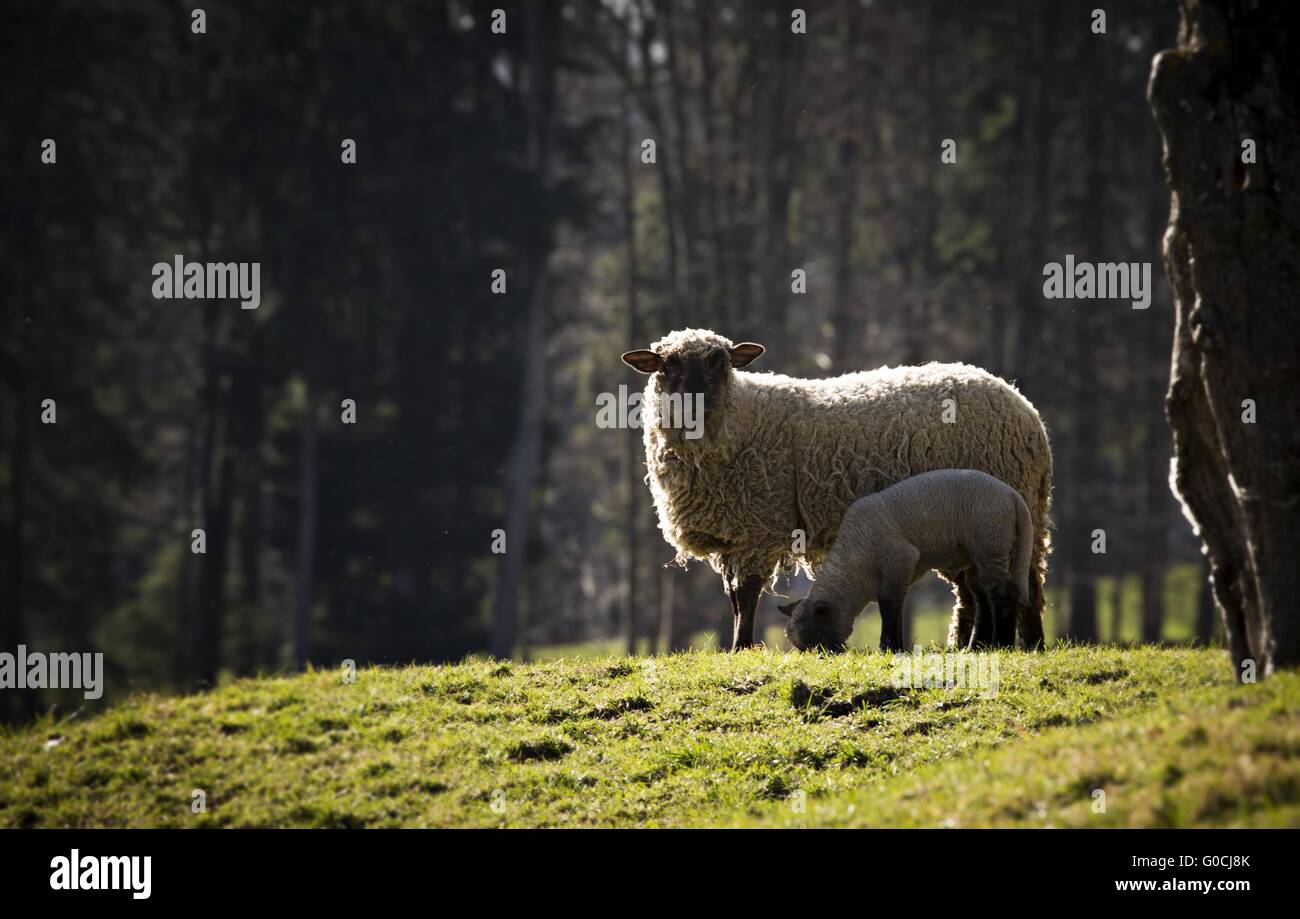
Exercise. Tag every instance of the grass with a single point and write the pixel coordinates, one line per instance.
(761, 738)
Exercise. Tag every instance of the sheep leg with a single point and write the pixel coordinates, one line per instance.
(744, 605)
(735, 617)
(1030, 616)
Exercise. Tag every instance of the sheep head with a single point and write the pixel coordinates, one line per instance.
(692, 373)
(817, 622)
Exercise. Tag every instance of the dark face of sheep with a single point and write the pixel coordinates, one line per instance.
(689, 379)
(816, 624)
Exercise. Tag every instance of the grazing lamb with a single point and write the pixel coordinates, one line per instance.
(765, 482)
(955, 520)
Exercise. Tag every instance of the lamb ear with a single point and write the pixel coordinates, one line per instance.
(643, 361)
(787, 609)
(745, 353)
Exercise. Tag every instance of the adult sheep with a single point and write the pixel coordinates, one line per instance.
(778, 456)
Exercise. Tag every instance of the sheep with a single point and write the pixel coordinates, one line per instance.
(781, 459)
(955, 520)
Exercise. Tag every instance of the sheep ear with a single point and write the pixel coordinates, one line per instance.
(643, 361)
(787, 609)
(745, 353)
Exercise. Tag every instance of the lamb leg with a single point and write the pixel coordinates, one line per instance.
(982, 636)
(962, 627)
(891, 619)
(1006, 602)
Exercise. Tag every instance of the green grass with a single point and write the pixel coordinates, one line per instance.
(697, 739)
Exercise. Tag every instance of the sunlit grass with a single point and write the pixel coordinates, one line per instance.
(695, 739)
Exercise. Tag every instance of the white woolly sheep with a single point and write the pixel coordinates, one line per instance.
(956, 520)
(781, 459)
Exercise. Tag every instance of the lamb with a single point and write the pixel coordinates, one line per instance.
(955, 520)
(781, 459)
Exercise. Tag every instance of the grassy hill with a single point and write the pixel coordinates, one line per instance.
(700, 739)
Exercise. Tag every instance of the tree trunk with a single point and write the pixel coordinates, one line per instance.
(721, 306)
(212, 574)
(675, 625)
(1155, 552)
(1205, 607)
(13, 624)
(778, 157)
(519, 477)
(634, 449)
(217, 477)
(1084, 515)
(1117, 608)
(847, 324)
(1231, 252)
(1037, 137)
(182, 665)
(248, 400)
(1080, 519)
(920, 329)
(524, 456)
(692, 290)
(307, 491)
